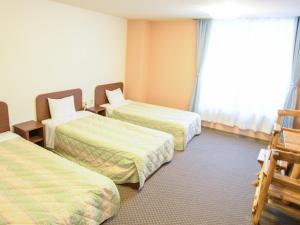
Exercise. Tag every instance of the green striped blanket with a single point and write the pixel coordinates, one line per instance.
(183, 125)
(39, 187)
(124, 152)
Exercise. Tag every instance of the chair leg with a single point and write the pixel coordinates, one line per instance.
(264, 188)
(260, 202)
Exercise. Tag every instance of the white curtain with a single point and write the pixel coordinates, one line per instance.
(246, 72)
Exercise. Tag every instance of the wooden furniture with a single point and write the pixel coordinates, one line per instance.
(42, 106)
(290, 140)
(281, 165)
(100, 95)
(4, 119)
(278, 181)
(274, 188)
(32, 131)
(97, 109)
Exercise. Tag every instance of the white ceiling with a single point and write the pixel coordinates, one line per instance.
(177, 9)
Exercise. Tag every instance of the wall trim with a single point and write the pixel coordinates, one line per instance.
(236, 130)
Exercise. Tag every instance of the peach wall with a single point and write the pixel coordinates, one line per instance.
(137, 60)
(172, 63)
(160, 66)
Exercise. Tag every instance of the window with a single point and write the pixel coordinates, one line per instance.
(246, 72)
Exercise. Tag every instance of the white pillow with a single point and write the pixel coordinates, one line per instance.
(7, 136)
(115, 97)
(63, 107)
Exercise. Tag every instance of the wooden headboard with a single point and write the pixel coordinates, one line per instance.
(100, 95)
(42, 106)
(4, 118)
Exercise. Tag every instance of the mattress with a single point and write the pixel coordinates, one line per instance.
(39, 187)
(183, 125)
(124, 152)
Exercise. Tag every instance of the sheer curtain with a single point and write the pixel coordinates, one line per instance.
(203, 34)
(246, 72)
(290, 102)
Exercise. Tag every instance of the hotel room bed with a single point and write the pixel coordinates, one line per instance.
(124, 152)
(183, 125)
(40, 187)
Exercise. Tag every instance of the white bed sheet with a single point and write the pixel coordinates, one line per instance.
(192, 125)
(7, 136)
(109, 108)
(51, 124)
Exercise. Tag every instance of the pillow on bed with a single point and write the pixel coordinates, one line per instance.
(7, 136)
(63, 107)
(115, 97)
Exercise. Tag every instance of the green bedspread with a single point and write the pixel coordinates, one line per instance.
(39, 187)
(183, 125)
(124, 152)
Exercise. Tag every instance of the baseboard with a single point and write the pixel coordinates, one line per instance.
(236, 130)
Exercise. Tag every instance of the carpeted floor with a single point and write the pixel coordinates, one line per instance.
(209, 184)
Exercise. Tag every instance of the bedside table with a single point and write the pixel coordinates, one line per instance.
(97, 109)
(32, 131)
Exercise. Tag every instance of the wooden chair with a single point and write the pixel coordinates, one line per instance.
(274, 186)
(291, 138)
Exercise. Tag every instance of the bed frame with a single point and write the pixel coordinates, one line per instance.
(100, 95)
(42, 106)
(4, 118)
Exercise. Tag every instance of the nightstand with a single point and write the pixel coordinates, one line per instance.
(97, 109)
(32, 131)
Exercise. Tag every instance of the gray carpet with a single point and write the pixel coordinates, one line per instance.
(209, 183)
